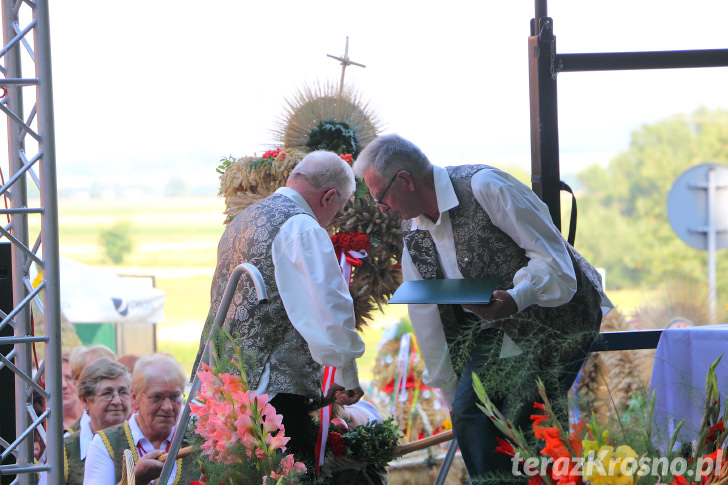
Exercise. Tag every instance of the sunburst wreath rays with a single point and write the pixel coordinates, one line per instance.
(318, 103)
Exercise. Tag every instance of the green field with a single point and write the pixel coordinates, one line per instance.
(175, 240)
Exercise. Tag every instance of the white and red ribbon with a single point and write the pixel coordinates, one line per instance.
(347, 258)
(324, 418)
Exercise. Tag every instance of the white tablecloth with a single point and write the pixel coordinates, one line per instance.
(682, 360)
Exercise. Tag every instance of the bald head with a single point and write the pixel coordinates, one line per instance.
(325, 170)
(325, 181)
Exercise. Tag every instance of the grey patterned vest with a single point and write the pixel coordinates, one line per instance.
(264, 330)
(483, 250)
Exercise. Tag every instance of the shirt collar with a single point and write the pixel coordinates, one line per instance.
(297, 198)
(137, 435)
(446, 199)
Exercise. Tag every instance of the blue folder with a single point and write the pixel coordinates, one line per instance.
(464, 291)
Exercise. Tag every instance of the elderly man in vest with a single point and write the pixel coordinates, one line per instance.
(475, 221)
(308, 321)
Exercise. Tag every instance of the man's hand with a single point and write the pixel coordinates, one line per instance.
(330, 397)
(341, 396)
(148, 467)
(349, 397)
(502, 305)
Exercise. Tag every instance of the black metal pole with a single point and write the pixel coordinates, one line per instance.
(545, 177)
(614, 61)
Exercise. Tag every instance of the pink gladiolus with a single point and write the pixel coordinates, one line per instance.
(237, 425)
(272, 422)
(277, 442)
(286, 464)
(243, 424)
(249, 441)
(232, 383)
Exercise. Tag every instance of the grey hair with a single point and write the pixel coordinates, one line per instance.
(389, 154)
(82, 356)
(95, 372)
(326, 169)
(156, 365)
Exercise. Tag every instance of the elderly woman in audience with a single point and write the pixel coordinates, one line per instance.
(79, 358)
(157, 386)
(104, 390)
(72, 407)
(83, 356)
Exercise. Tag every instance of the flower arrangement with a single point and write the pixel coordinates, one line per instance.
(239, 433)
(352, 241)
(587, 455)
(361, 450)
(274, 154)
(268, 158)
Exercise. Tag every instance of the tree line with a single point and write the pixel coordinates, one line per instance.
(623, 221)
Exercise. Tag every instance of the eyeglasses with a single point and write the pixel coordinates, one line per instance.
(107, 395)
(159, 398)
(377, 200)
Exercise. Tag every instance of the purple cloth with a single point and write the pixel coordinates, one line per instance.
(682, 360)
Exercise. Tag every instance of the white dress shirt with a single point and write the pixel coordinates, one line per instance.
(548, 280)
(315, 295)
(86, 435)
(99, 467)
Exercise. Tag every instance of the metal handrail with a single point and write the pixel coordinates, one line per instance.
(197, 383)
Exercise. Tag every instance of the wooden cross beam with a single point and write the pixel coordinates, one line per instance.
(345, 61)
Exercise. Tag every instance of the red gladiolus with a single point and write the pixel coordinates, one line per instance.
(680, 481)
(713, 431)
(504, 447)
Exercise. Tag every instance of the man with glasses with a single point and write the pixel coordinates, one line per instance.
(475, 221)
(156, 393)
(308, 321)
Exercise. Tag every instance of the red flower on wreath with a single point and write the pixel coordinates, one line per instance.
(347, 157)
(274, 154)
(336, 441)
(351, 241)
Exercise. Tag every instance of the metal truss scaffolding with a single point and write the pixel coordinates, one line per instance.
(26, 99)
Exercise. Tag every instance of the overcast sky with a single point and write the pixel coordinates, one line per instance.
(174, 85)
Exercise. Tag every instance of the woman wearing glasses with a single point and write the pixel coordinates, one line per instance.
(157, 386)
(103, 389)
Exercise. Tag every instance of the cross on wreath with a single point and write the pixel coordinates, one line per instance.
(345, 61)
